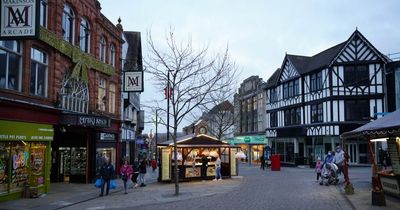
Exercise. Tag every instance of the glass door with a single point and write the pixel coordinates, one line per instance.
(65, 163)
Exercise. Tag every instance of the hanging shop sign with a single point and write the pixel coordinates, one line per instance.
(107, 136)
(19, 19)
(21, 131)
(133, 81)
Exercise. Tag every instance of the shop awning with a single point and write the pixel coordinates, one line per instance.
(382, 127)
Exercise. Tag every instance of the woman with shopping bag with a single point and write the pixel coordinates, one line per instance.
(126, 173)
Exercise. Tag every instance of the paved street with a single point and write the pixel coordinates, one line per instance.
(290, 188)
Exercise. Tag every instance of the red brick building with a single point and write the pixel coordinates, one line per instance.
(66, 84)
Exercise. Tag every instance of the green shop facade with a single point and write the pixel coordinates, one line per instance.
(24, 158)
(252, 145)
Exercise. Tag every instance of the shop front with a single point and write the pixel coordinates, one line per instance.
(191, 150)
(252, 146)
(80, 144)
(24, 158)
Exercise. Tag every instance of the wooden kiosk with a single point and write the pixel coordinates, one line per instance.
(386, 129)
(191, 149)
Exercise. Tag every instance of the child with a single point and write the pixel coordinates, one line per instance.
(318, 169)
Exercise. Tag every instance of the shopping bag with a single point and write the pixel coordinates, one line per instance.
(113, 184)
(98, 183)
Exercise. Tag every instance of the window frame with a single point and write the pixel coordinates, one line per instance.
(112, 98)
(43, 13)
(17, 51)
(316, 82)
(69, 35)
(103, 49)
(102, 99)
(352, 73)
(359, 106)
(112, 54)
(317, 113)
(84, 35)
(35, 62)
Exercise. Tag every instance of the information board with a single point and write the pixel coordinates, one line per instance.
(166, 164)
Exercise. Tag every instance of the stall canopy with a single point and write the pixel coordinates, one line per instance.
(380, 128)
(196, 141)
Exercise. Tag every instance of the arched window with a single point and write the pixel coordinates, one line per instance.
(112, 55)
(103, 46)
(74, 95)
(10, 65)
(38, 76)
(43, 13)
(68, 22)
(84, 36)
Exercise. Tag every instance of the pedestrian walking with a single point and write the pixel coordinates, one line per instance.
(204, 164)
(218, 169)
(318, 168)
(135, 174)
(126, 173)
(339, 159)
(142, 172)
(262, 161)
(106, 174)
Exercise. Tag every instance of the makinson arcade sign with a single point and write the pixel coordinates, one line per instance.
(19, 19)
(133, 81)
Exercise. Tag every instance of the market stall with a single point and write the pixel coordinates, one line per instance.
(386, 129)
(197, 154)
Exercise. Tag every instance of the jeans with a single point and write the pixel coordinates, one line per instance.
(218, 173)
(125, 181)
(141, 178)
(104, 181)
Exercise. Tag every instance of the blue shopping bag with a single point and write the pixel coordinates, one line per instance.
(98, 183)
(113, 184)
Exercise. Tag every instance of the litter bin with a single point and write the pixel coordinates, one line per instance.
(276, 162)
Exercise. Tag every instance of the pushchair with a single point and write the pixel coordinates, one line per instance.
(329, 174)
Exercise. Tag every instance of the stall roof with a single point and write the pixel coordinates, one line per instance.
(382, 127)
(193, 140)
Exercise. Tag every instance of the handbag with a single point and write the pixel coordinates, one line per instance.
(113, 184)
(98, 183)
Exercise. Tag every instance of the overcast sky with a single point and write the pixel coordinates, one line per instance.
(259, 32)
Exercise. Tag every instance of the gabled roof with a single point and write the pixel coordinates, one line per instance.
(273, 79)
(193, 140)
(324, 58)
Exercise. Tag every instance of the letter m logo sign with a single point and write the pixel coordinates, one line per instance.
(19, 16)
(133, 81)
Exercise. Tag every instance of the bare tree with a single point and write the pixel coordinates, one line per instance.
(192, 75)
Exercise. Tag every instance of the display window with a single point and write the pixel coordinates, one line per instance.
(4, 163)
(19, 170)
(37, 164)
(102, 153)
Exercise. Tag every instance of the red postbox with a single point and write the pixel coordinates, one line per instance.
(276, 162)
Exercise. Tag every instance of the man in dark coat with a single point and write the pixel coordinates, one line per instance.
(204, 163)
(106, 174)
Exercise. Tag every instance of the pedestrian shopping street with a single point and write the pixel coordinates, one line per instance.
(289, 188)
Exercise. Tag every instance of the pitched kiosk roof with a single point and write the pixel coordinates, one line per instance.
(193, 140)
(382, 127)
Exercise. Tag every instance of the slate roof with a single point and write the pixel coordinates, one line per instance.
(134, 53)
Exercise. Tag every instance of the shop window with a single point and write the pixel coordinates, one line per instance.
(357, 110)
(111, 98)
(10, 65)
(19, 163)
(101, 97)
(84, 36)
(38, 75)
(37, 164)
(68, 24)
(356, 75)
(112, 55)
(103, 46)
(43, 13)
(4, 166)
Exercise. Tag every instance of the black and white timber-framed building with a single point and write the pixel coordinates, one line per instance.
(311, 100)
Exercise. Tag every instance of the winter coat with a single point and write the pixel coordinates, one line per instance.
(142, 167)
(107, 171)
(318, 166)
(126, 170)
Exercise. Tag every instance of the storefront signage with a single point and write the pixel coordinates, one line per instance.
(390, 185)
(166, 161)
(107, 136)
(249, 140)
(21, 131)
(133, 81)
(85, 120)
(19, 19)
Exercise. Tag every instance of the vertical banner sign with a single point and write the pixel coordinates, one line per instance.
(133, 81)
(19, 19)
